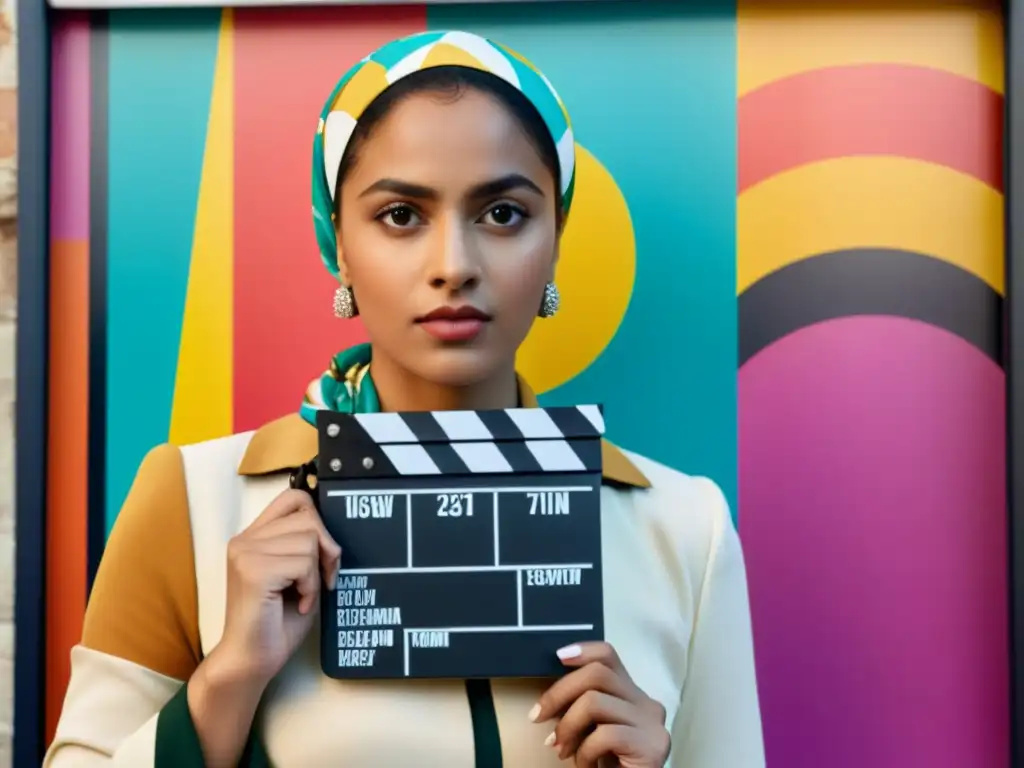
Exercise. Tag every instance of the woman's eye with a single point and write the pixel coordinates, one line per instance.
(504, 215)
(400, 217)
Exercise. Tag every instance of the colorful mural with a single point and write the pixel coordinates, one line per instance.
(809, 196)
(871, 403)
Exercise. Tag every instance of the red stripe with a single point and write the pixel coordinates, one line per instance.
(877, 109)
(67, 477)
(287, 61)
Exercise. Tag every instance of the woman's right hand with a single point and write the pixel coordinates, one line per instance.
(276, 568)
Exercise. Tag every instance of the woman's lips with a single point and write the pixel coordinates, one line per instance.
(465, 329)
(454, 324)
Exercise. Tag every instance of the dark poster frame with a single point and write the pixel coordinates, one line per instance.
(32, 376)
(34, 18)
(1013, 181)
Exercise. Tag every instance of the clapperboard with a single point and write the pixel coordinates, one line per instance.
(471, 541)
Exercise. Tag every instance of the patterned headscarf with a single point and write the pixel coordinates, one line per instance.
(372, 76)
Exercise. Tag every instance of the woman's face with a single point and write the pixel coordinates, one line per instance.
(448, 209)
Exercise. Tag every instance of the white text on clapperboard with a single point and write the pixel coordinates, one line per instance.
(357, 607)
(381, 505)
(369, 626)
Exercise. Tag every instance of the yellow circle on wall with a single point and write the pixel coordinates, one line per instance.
(594, 277)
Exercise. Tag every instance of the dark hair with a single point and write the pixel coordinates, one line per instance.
(452, 82)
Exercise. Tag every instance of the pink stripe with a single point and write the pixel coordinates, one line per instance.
(873, 515)
(71, 91)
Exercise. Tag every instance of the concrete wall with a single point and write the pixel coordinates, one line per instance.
(8, 319)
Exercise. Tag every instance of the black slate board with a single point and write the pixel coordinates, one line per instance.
(480, 561)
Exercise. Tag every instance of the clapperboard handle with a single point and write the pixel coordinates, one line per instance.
(304, 478)
(472, 540)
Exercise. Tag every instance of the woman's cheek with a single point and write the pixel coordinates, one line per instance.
(521, 303)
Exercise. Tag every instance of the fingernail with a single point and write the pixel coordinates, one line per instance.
(550, 740)
(569, 652)
(534, 713)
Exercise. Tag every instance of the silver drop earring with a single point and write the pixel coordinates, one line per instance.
(344, 303)
(551, 301)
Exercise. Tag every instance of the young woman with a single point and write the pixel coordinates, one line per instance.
(443, 172)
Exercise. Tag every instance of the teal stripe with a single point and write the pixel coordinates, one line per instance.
(161, 79)
(541, 97)
(399, 49)
(651, 90)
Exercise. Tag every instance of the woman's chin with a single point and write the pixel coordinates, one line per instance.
(454, 366)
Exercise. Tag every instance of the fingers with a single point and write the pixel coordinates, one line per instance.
(580, 654)
(593, 677)
(304, 576)
(630, 745)
(601, 712)
(300, 523)
(270, 570)
(590, 710)
(293, 512)
(286, 503)
(296, 543)
(294, 558)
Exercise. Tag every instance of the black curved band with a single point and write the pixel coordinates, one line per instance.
(870, 281)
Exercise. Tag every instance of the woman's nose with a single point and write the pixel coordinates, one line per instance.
(454, 263)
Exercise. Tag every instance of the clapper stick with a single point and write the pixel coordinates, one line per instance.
(471, 540)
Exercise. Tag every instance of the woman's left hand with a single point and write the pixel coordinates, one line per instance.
(604, 719)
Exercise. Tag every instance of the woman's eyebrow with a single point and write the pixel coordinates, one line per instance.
(504, 184)
(403, 188)
(490, 188)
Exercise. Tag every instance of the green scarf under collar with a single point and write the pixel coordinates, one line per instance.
(345, 387)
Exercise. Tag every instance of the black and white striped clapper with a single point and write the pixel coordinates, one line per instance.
(471, 540)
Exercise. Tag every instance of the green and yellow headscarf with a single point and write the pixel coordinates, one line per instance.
(372, 76)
